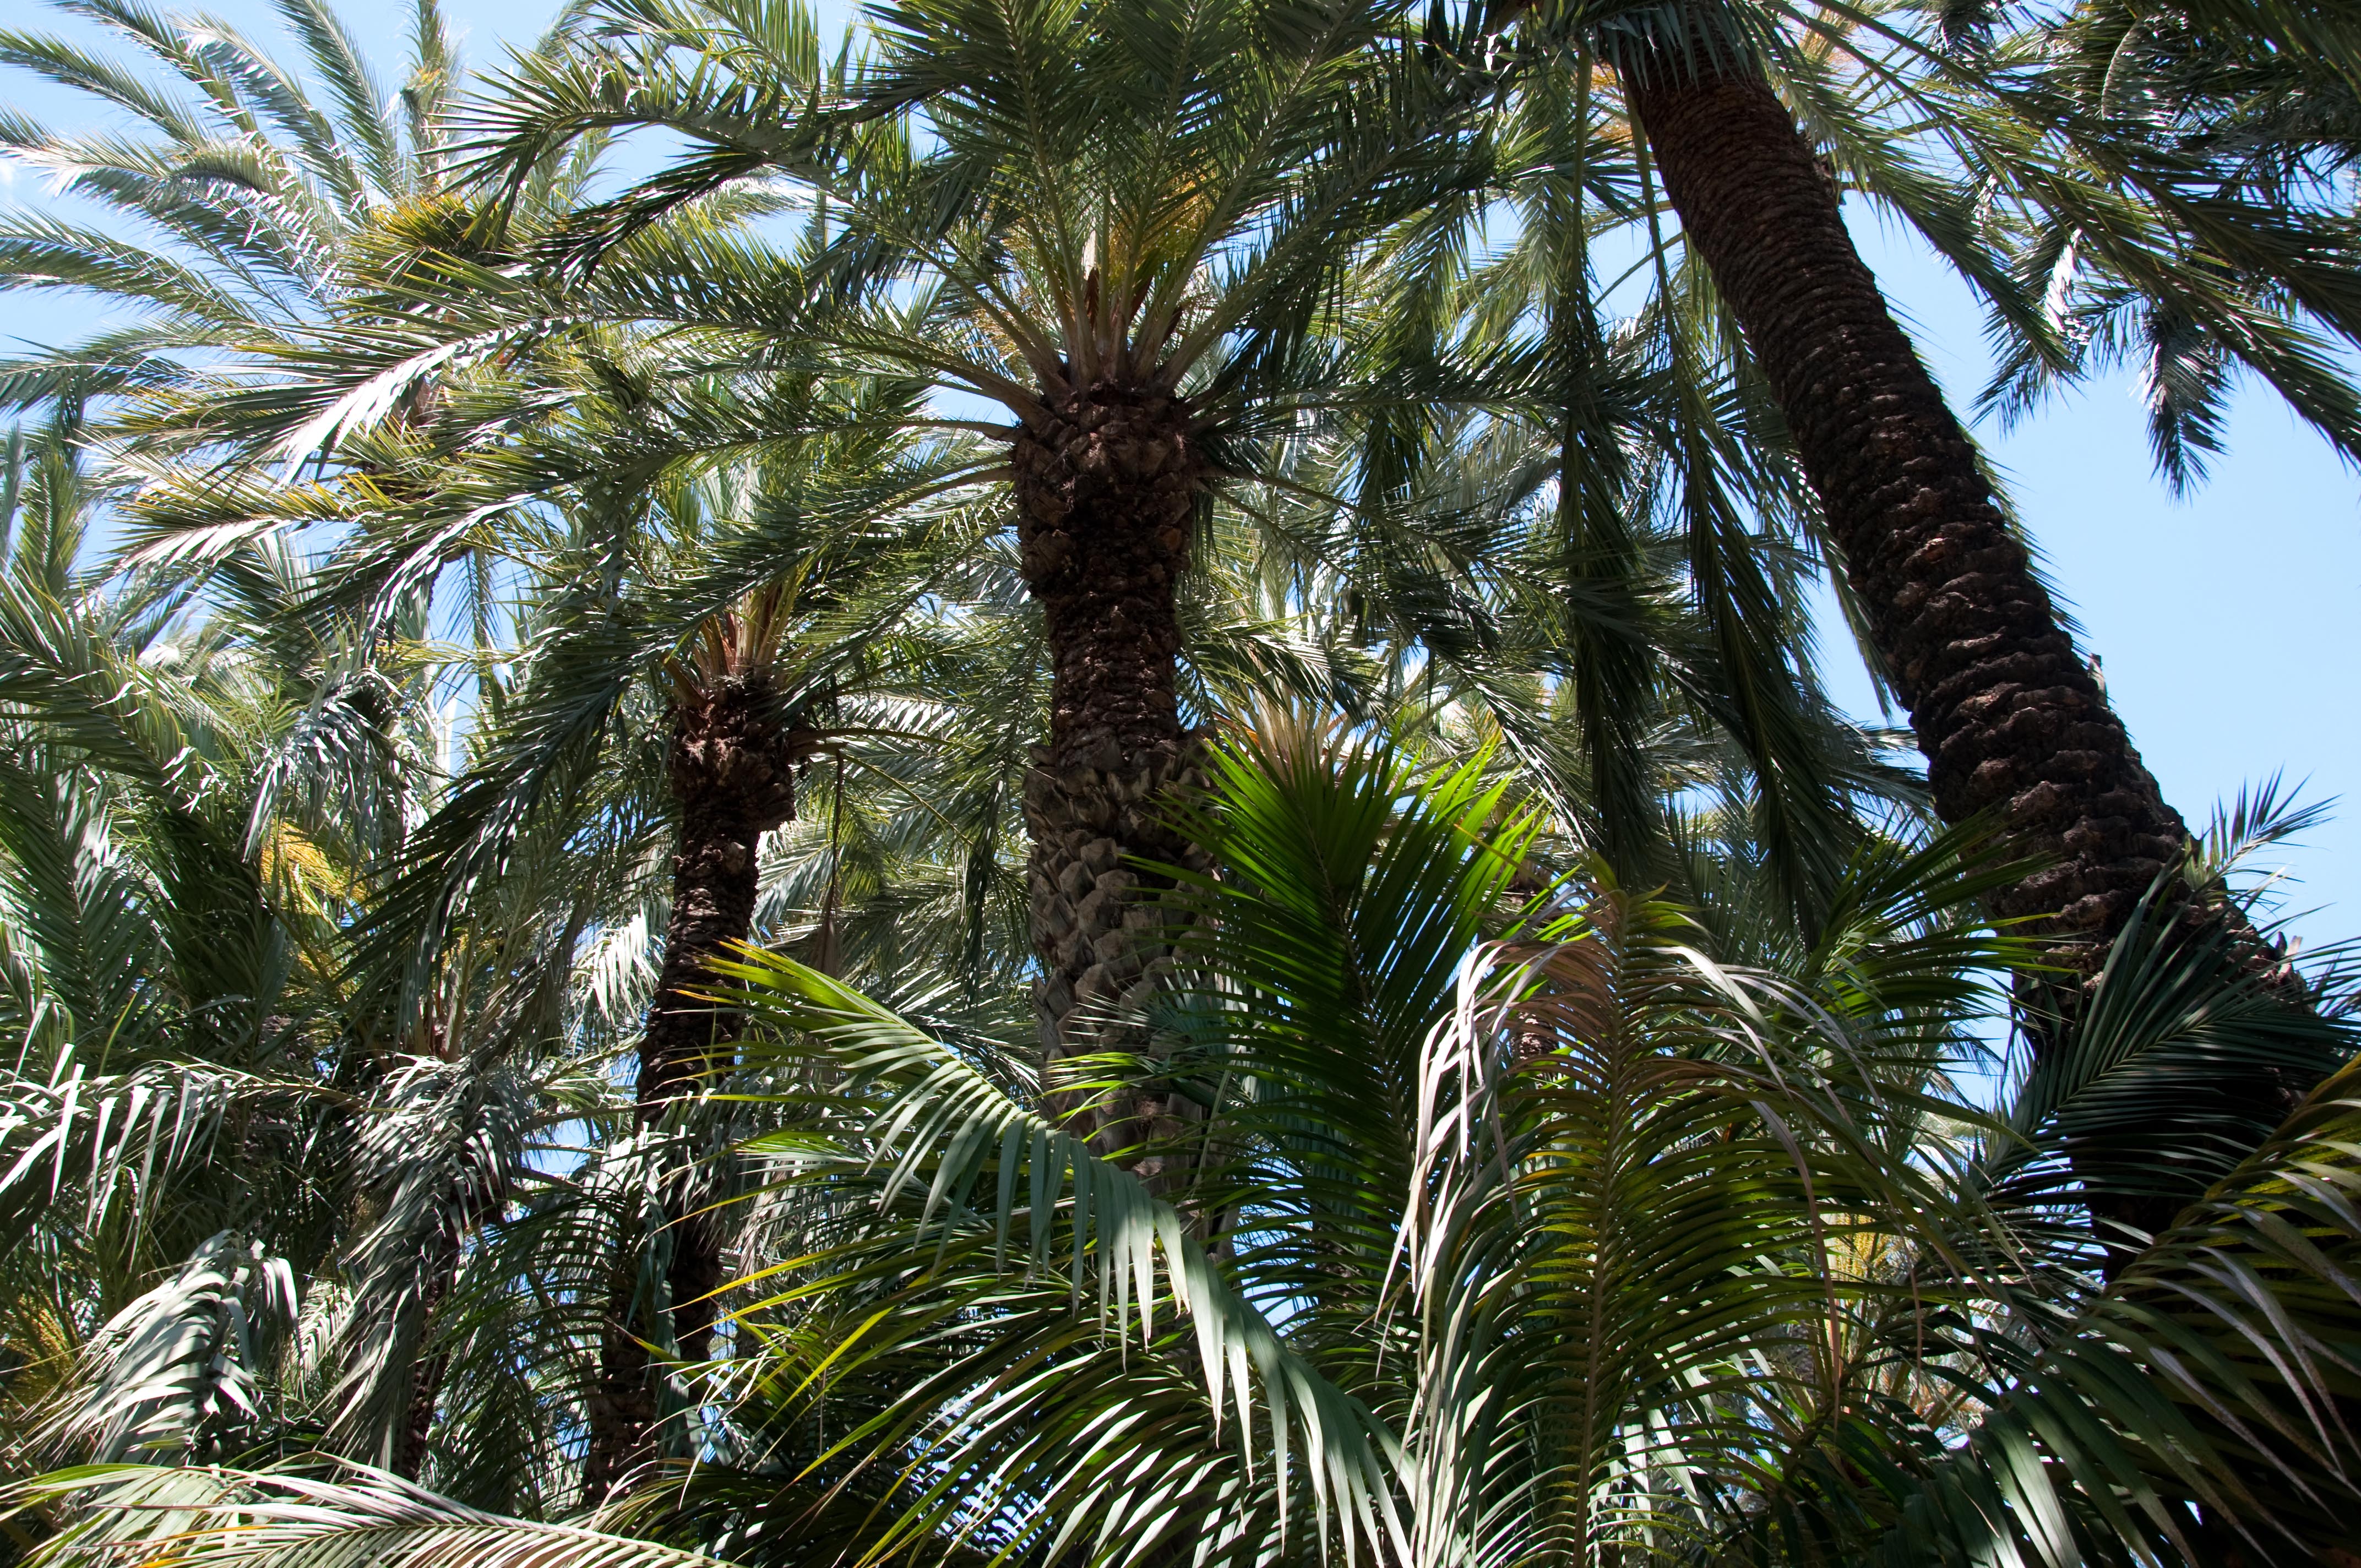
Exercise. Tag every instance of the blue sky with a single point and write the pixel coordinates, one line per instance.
(2228, 622)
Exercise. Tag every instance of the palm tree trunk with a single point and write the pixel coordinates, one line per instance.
(1107, 488)
(412, 1443)
(2008, 714)
(732, 775)
(2012, 720)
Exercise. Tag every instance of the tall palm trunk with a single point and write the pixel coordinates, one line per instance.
(1107, 486)
(2009, 719)
(732, 775)
(2006, 712)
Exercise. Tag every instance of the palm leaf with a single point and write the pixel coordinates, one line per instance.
(288, 1518)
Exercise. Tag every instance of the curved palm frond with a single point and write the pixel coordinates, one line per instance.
(287, 1517)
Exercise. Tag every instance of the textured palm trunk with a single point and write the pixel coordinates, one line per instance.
(1107, 488)
(426, 1377)
(2008, 716)
(2011, 721)
(732, 775)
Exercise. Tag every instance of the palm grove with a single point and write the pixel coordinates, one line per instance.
(1050, 785)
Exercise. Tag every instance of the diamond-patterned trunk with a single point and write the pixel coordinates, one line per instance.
(2006, 712)
(1107, 487)
(2009, 719)
(731, 772)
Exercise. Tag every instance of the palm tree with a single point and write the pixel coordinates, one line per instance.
(2257, 104)
(736, 728)
(221, 1059)
(620, 702)
(698, 531)
(599, 736)
(201, 794)
(1117, 229)
(241, 200)
(262, 204)
(276, 215)
(731, 766)
(2009, 719)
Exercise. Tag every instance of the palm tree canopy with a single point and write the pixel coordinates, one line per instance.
(1069, 806)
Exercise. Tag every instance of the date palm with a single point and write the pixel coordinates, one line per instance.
(736, 724)
(730, 765)
(643, 681)
(2009, 719)
(394, 1094)
(234, 207)
(201, 794)
(1492, 1193)
(1115, 226)
(281, 203)
(262, 210)
(2261, 104)
(698, 529)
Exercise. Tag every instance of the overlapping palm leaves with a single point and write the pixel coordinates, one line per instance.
(1531, 1228)
(2258, 115)
(1974, 155)
(244, 186)
(1263, 360)
(1626, 1247)
(195, 810)
(153, 971)
(1523, 1213)
(1667, 541)
(2100, 182)
(1117, 232)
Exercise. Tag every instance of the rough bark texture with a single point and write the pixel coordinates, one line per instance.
(1106, 492)
(2011, 719)
(732, 773)
(2008, 715)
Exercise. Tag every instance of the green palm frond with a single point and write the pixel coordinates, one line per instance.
(2201, 1402)
(2174, 1071)
(183, 1369)
(1013, 1205)
(291, 1519)
(439, 1159)
(117, 1140)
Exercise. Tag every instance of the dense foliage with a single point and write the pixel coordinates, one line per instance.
(1056, 791)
